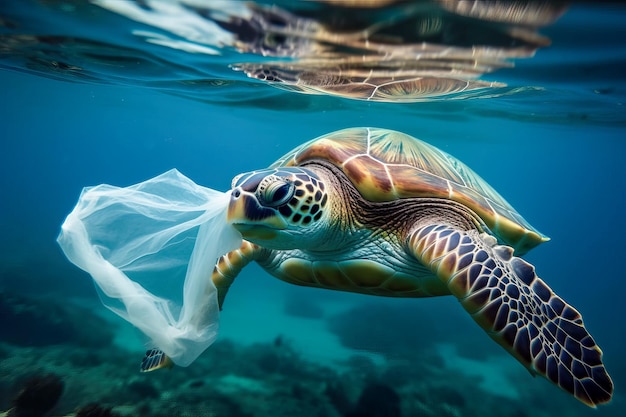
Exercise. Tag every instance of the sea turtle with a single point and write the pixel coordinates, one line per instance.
(394, 52)
(379, 212)
(402, 82)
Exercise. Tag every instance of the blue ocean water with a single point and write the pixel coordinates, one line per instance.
(552, 144)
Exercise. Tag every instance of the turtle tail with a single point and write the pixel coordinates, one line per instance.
(504, 295)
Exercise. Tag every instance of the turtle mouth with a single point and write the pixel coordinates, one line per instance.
(249, 217)
(251, 231)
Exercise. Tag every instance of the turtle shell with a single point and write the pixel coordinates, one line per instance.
(386, 165)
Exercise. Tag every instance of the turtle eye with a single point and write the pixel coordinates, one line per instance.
(276, 193)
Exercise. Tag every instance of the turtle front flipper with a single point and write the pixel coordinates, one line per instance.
(504, 295)
(224, 273)
(230, 265)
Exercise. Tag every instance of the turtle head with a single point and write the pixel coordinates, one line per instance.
(278, 208)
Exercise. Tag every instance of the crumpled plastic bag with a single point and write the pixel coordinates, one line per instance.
(151, 249)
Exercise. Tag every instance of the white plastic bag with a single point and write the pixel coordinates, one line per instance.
(151, 249)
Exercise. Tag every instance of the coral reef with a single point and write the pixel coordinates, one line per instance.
(264, 379)
(38, 395)
(95, 410)
(377, 400)
(29, 321)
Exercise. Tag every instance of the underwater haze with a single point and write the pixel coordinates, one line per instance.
(117, 92)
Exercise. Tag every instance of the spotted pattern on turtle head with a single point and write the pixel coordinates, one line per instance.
(298, 194)
(308, 201)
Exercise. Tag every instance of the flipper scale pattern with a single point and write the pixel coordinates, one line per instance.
(517, 309)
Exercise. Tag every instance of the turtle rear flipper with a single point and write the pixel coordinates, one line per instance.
(155, 359)
(504, 295)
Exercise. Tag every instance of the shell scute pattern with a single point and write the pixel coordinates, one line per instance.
(369, 176)
(386, 165)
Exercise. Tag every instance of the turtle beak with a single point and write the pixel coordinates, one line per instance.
(251, 219)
